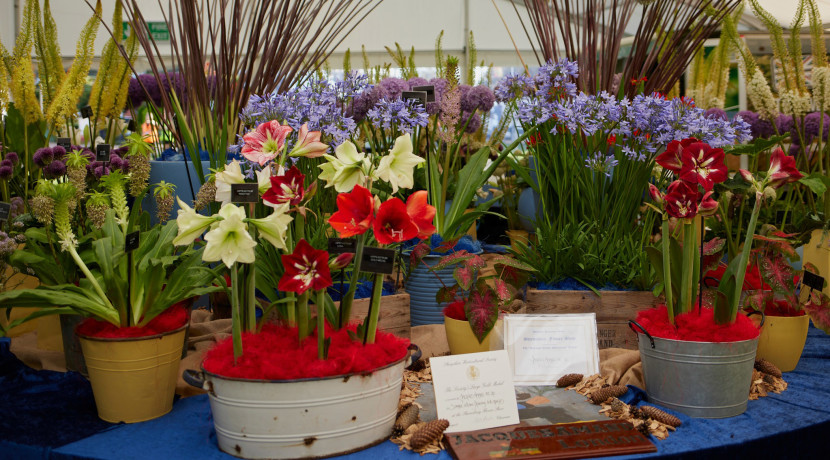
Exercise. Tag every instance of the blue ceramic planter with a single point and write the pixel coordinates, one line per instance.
(175, 173)
(422, 285)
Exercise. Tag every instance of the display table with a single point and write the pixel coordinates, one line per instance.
(62, 424)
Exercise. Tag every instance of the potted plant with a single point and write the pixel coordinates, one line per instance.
(698, 359)
(320, 385)
(475, 301)
(591, 160)
(774, 287)
(133, 341)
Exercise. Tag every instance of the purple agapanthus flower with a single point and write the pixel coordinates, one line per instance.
(601, 163)
(514, 87)
(404, 115)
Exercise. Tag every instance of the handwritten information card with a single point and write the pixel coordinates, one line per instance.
(474, 391)
(543, 348)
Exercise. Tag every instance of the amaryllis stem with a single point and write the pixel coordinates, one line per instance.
(236, 330)
(667, 288)
(346, 301)
(321, 324)
(374, 309)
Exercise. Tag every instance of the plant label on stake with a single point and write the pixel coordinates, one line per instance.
(86, 111)
(342, 246)
(65, 142)
(131, 125)
(130, 245)
(815, 282)
(420, 96)
(244, 193)
(429, 89)
(102, 153)
(377, 260)
(131, 242)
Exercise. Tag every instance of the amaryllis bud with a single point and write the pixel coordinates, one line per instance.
(747, 175)
(341, 261)
(655, 194)
(782, 169)
(769, 193)
(708, 206)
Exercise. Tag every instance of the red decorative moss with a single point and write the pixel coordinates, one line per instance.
(696, 326)
(455, 310)
(276, 354)
(172, 319)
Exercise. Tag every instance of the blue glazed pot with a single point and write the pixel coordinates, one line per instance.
(175, 173)
(528, 209)
(422, 285)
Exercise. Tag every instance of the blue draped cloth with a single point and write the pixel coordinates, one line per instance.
(790, 425)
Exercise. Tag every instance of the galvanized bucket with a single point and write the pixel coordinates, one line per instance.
(302, 418)
(699, 379)
(422, 284)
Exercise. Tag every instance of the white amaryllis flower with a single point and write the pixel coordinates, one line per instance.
(398, 166)
(273, 227)
(229, 240)
(232, 174)
(191, 224)
(263, 179)
(346, 169)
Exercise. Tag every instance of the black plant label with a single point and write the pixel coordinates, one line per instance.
(429, 89)
(65, 143)
(419, 96)
(342, 245)
(814, 281)
(244, 193)
(102, 152)
(131, 242)
(86, 111)
(377, 260)
(5, 210)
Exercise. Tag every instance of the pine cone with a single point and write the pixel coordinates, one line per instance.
(636, 412)
(601, 395)
(769, 379)
(617, 405)
(568, 380)
(405, 419)
(417, 366)
(767, 367)
(643, 429)
(428, 433)
(660, 416)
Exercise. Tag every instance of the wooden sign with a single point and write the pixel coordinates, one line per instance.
(419, 96)
(566, 440)
(131, 241)
(86, 111)
(342, 246)
(244, 193)
(429, 89)
(5, 210)
(814, 281)
(102, 152)
(377, 260)
(65, 142)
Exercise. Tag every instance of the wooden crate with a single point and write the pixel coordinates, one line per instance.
(613, 310)
(394, 313)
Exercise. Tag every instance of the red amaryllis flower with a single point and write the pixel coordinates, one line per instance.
(421, 213)
(393, 224)
(681, 200)
(286, 188)
(671, 158)
(782, 169)
(355, 212)
(305, 268)
(702, 165)
(265, 142)
(308, 144)
(707, 206)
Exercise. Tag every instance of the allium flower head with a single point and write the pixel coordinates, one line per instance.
(43, 156)
(54, 170)
(472, 121)
(716, 113)
(392, 88)
(5, 172)
(13, 157)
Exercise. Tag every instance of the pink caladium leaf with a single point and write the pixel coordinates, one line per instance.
(511, 262)
(418, 253)
(818, 306)
(511, 275)
(465, 276)
(757, 300)
(452, 259)
(476, 263)
(504, 291)
(446, 294)
(779, 242)
(482, 311)
(447, 245)
(712, 254)
(776, 272)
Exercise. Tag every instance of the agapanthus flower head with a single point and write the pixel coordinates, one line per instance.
(13, 157)
(782, 169)
(265, 142)
(556, 80)
(514, 86)
(479, 98)
(54, 170)
(681, 200)
(601, 163)
(405, 115)
(363, 103)
(43, 156)
(305, 268)
(702, 164)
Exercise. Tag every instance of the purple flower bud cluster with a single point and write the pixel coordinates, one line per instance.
(117, 162)
(6, 170)
(759, 127)
(812, 125)
(478, 98)
(716, 113)
(51, 160)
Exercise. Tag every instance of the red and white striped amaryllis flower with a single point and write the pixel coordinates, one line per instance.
(702, 164)
(265, 142)
(671, 159)
(681, 200)
(286, 188)
(782, 169)
(305, 268)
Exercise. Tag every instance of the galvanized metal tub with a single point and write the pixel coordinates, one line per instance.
(699, 379)
(304, 417)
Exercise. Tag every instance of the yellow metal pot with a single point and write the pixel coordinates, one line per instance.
(134, 379)
(461, 339)
(817, 252)
(782, 340)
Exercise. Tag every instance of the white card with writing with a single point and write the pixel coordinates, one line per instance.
(543, 348)
(474, 391)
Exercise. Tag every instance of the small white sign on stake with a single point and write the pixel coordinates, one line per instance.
(543, 348)
(474, 391)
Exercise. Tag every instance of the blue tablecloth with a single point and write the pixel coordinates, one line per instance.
(790, 425)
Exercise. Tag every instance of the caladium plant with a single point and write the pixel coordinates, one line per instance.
(483, 295)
